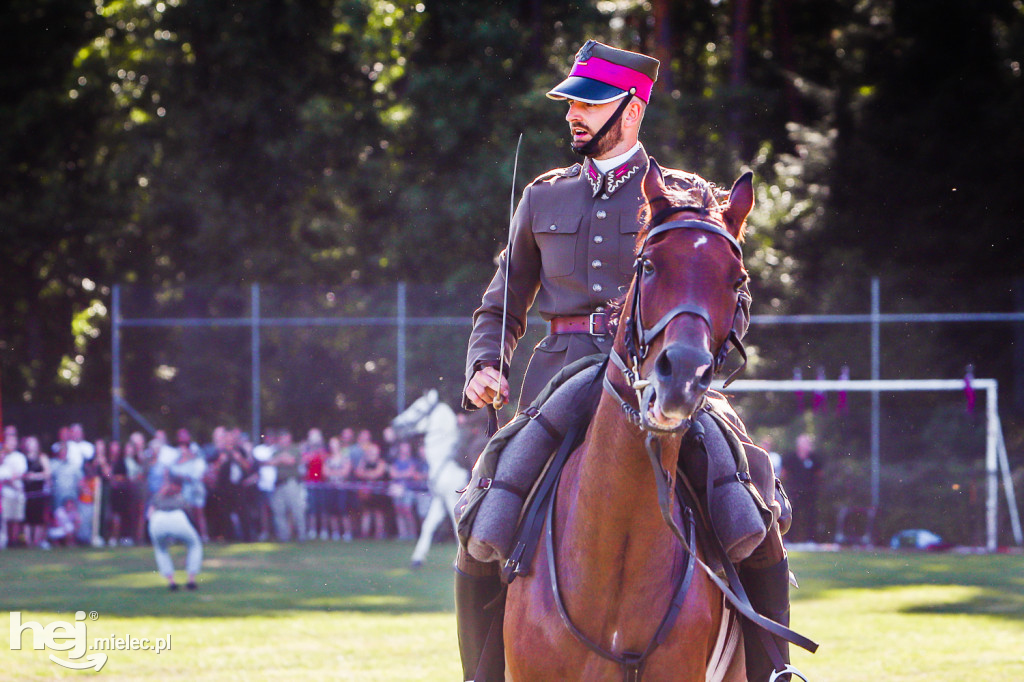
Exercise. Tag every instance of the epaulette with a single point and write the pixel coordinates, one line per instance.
(570, 172)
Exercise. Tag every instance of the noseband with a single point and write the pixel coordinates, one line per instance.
(638, 337)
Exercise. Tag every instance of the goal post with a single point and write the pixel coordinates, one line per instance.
(996, 459)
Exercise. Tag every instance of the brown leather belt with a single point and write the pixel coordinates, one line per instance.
(595, 324)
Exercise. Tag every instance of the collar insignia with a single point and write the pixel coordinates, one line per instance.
(612, 180)
(594, 178)
(618, 177)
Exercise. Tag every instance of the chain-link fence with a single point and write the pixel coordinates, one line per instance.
(269, 356)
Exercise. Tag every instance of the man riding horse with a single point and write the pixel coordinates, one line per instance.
(571, 250)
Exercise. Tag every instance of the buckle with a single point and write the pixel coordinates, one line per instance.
(509, 571)
(596, 320)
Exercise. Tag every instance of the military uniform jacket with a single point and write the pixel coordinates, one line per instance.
(572, 250)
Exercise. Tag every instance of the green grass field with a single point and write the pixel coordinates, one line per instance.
(356, 612)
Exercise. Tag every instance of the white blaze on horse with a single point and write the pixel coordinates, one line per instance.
(436, 422)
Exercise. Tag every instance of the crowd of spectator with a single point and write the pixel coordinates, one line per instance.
(77, 492)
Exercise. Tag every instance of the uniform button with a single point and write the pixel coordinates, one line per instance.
(553, 227)
(598, 239)
(602, 215)
(599, 309)
(604, 196)
(597, 287)
(596, 264)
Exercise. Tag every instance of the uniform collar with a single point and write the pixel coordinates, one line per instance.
(615, 178)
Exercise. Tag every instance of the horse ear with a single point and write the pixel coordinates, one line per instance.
(741, 200)
(654, 188)
(432, 394)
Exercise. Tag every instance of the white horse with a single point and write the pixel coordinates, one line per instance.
(436, 422)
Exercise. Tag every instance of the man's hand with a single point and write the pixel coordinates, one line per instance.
(485, 386)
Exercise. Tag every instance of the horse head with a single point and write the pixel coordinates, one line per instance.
(415, 418)
(678, 315)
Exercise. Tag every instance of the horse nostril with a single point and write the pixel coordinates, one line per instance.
(691, 366)
(663, 365)
(705, 379)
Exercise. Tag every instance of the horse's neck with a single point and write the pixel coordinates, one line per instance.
(608, 501)
(441, 435)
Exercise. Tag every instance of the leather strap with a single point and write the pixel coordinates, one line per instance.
(489, 483)
(545, 423)
(591, 145)
(632, 662)
(527, 536)
(695, 225)
(595, 324)
(733, 590)
(520, 558)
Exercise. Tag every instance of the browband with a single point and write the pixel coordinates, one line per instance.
(694, 225)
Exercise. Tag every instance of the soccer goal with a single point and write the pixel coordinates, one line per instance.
(997, 466)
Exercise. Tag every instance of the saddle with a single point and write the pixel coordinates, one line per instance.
(500, 512)
(510, 466)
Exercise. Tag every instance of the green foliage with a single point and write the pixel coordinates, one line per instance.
(336, 143)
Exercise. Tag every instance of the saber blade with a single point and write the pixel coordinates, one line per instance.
(508, 266)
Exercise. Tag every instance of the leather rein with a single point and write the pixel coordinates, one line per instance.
(638, 342)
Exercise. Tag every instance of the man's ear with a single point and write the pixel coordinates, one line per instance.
(634, 113)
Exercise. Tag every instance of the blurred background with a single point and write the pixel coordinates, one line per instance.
(294, 207)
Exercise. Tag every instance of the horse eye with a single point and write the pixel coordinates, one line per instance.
(648, 266)
(741, 280)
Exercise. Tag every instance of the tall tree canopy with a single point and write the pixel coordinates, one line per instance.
(177, 143)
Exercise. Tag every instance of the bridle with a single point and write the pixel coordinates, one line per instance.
(639, 337)
(638, 341)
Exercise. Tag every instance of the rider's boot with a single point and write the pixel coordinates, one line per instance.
(479, 610)
(765, 578)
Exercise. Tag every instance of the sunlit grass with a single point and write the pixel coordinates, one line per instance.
(911, 616)
(357, 612)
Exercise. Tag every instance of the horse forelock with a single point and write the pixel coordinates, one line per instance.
(677, 203)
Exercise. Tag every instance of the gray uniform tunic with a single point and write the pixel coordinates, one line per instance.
(573, 239)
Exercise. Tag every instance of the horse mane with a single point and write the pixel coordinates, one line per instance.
(686, 199)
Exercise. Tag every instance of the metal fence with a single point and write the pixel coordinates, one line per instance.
(329, 356)
(392, 325)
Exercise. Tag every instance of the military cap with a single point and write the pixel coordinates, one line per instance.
(602, 74)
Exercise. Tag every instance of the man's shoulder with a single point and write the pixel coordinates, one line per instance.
(683, 179)
(555, 175)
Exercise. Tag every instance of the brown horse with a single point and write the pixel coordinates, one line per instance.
(612, 594)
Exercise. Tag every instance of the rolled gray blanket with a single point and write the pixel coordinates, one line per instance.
(520, 465)
(734, 514)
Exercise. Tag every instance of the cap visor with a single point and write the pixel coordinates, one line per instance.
(586, 90)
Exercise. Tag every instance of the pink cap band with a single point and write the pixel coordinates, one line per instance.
(618, 76)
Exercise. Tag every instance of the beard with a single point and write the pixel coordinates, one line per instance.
(606, 143)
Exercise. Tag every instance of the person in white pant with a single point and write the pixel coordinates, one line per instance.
(168, 523)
